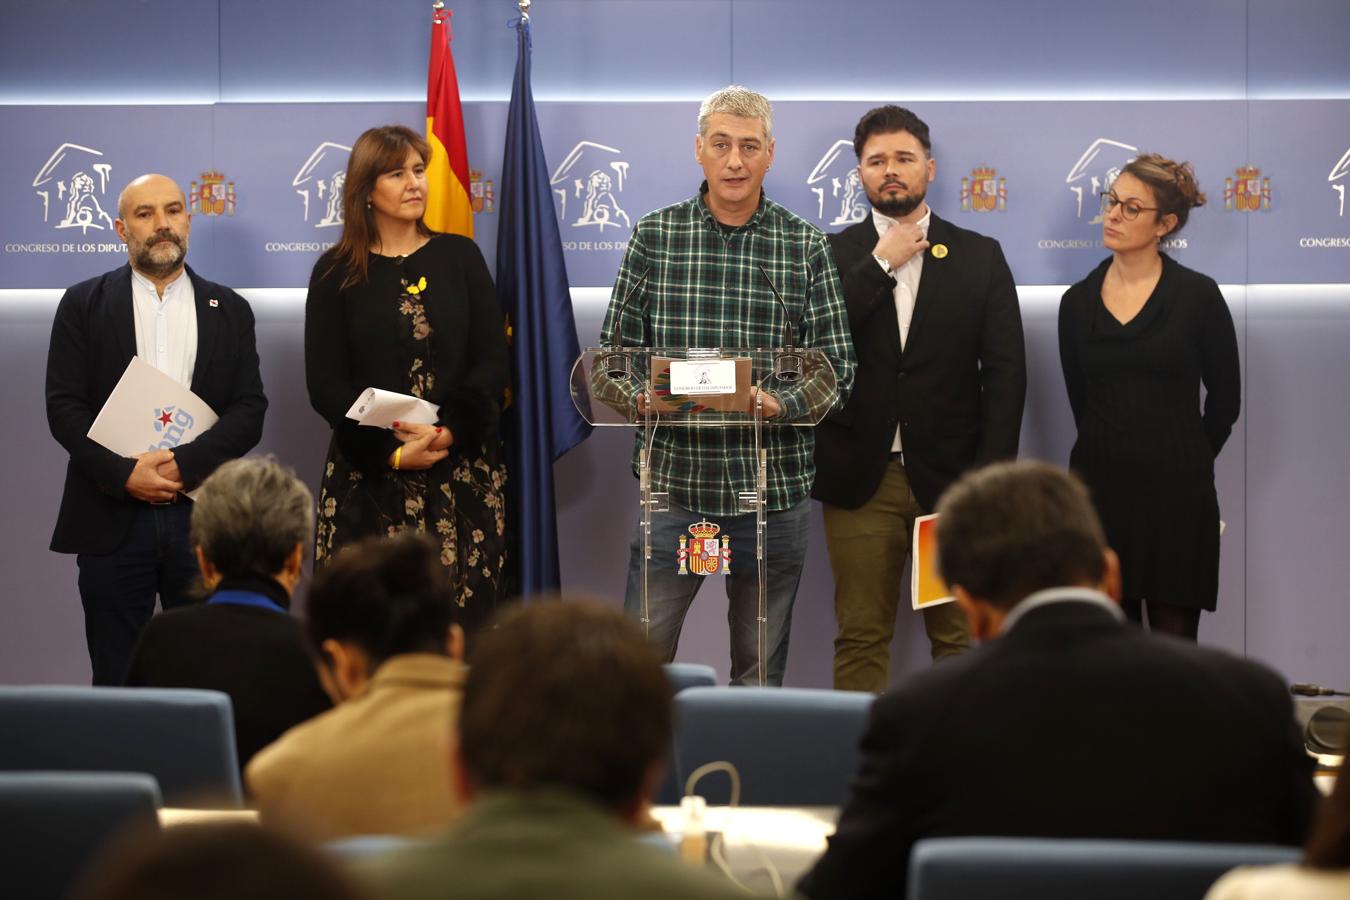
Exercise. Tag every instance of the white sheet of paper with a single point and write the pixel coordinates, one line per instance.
(148, 410)
(703, 376)
(382, 409)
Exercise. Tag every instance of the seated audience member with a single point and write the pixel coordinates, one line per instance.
(379, 615)
(250, 525)
(562, 737)
(215, 862)
(1068, 722)
(1324, 873)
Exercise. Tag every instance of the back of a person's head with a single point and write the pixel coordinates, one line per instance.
(388, 596)
(1011, 529)
(249, 516)
(214, 862)
(565, 695)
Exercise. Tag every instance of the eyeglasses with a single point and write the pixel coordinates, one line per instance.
(1129, 209)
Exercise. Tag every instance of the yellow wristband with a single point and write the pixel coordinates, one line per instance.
(398, 457)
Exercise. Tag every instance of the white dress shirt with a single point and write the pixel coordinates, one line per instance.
(906, 286)
(166, 329)
(1060, 595)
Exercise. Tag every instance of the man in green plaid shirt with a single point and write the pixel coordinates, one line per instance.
(702, 273)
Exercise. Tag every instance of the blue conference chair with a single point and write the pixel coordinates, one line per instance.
(687, 675)
(996, 868)
(53, 823)
(184, 738)
(791, 746)
(682, 676)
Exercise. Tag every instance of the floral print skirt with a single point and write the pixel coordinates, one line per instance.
(458, 502)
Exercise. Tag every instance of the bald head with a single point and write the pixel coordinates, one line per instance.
(147, 186)
(153, 220)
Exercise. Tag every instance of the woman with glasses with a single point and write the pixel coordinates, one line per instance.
(1137, 339)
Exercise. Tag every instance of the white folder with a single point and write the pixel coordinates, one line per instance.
(148, 410)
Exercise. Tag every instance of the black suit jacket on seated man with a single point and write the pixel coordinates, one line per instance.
(93, 340)
(1071, 724)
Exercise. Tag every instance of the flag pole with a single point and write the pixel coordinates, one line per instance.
(542, 422)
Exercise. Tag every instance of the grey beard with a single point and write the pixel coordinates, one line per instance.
(148, 265)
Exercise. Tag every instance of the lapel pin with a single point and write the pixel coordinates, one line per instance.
(939, 251)
(213, 302)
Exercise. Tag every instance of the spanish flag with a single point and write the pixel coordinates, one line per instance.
(448, 203)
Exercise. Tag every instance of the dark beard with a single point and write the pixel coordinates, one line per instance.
(899, 207)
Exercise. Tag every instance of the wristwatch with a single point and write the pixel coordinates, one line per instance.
(883, 262)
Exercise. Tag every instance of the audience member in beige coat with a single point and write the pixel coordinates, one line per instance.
(1322, 874)
(380, 616)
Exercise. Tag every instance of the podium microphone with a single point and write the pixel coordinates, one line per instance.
(617, 365)
(787, 363)
(1303, 689)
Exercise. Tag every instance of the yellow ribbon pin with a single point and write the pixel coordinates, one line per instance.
(939, 251)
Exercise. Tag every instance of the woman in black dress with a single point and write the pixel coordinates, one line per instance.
(398, 307)
(1137, 339)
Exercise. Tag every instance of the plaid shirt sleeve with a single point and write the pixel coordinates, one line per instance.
(824, 327)
(631, 331)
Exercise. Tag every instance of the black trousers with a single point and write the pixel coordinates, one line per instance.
(118, 589)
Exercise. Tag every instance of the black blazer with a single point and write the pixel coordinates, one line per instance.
(956, 391)
(93, 339)
(1072, 724)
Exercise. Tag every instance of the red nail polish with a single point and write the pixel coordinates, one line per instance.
(395, 424)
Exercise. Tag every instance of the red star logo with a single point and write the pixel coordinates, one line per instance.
(165, 417)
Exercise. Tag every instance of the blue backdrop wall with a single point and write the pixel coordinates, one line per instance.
(1031, 104)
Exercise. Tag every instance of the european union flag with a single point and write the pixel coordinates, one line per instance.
(541, 422)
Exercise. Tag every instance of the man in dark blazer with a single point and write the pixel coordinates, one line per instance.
(1068, 722)
(126, 517)
(940, 382)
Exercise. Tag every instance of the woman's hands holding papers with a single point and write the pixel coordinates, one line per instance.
(423, 445)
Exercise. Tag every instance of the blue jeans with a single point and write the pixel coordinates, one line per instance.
(669, 593)
(118, 589)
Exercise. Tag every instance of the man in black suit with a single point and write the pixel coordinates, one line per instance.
(1068, 722)
(939, 388)
(126, 517)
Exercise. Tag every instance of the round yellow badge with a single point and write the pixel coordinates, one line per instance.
(939, 251)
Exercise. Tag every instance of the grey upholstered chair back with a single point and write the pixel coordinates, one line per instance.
(53, 823)
(184, 738)
(687, 675)
(791, 746)
(682, 676)
(992, 868)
